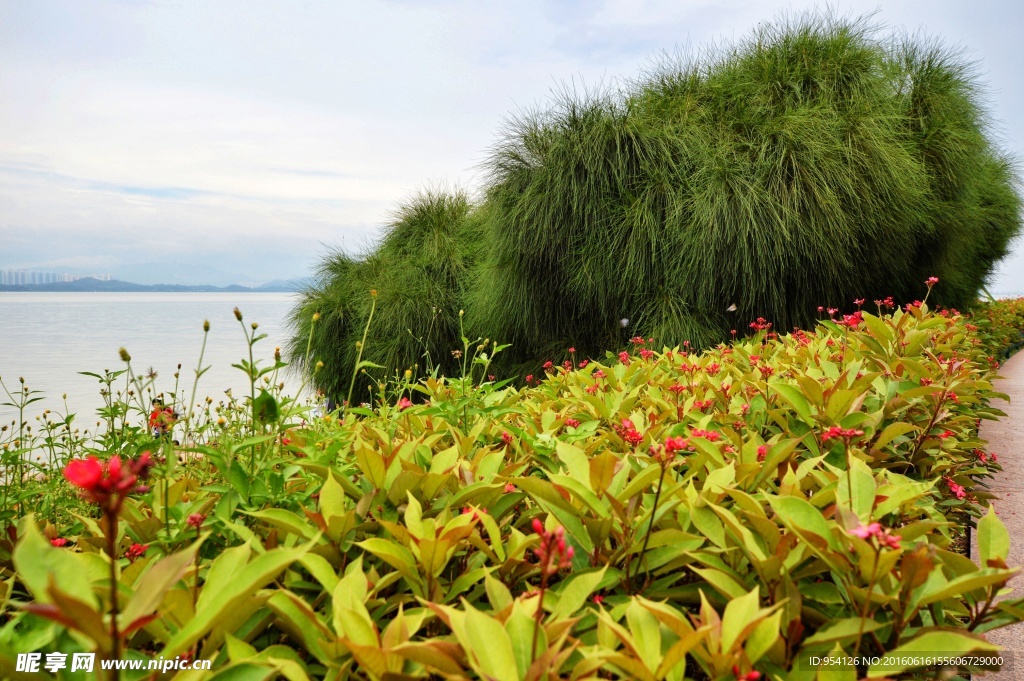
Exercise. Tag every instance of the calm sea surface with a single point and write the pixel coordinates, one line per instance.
(49, 337)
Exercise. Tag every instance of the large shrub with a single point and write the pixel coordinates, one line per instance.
(811, 164)
(416, 273)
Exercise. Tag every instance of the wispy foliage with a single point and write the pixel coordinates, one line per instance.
(418, 271)
(815, 162)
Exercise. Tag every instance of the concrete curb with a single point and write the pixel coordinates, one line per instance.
(1005, 438)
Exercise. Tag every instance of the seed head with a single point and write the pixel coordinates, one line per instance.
(123, 352)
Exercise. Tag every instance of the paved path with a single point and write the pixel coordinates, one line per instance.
(1006, 438)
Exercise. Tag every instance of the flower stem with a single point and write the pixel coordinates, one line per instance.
(115, 633)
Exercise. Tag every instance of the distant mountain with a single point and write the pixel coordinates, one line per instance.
(89, 285)
(285, 285)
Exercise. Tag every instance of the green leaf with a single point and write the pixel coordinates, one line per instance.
(793, 395)
(396, 556)
(157, 581)
(929, 644)
(893, 431)
(575, 591)
(239, 480)
(37, 562)
(286, 521)
(843, 630)
(993, 539)
(265, 408)
(804, 520)
(576, 462)
(231, 588)
(332, 498)
(738, 613)
(487, 643)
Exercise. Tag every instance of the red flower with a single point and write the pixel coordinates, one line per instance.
(195, 520)
(931, 281)
(677, 444)
(59, 542)
(506, 438)
(404, 403)
(762, 451)
(509, 488)
(835, 432)
(709, 435)
(750, 676)
(136, 551)
(571, 423)
(624, 357)
(106, 484)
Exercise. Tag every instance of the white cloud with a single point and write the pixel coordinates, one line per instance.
(197, 128)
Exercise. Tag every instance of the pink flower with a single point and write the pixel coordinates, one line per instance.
(509, 488)
(59, 542)
(877, 532)
(762, 451)
(554, 553)
(931, 281)
(195, 520)
(957, 490)
(709, 435)
(599, 374)
(571, 423)
(506, 438)
(624, 357)
(646, 354)
(404, 403)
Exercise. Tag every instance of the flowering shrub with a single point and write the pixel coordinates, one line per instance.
(729, 514)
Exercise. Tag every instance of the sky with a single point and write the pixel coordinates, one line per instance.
(240, 141)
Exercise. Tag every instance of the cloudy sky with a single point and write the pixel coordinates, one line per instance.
(237, 141)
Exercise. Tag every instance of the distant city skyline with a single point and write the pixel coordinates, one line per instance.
(239, 142)
(34, 277)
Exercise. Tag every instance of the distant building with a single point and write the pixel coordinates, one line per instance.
(34, 278)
